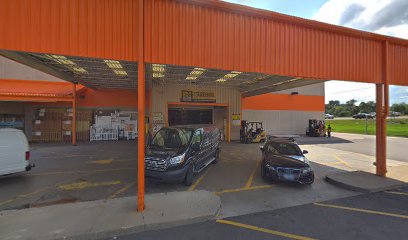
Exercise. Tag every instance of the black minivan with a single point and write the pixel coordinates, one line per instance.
(177, 153)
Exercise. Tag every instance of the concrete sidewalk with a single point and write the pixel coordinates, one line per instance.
(364, 182)
(106, 218)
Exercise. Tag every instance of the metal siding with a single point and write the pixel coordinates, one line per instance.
(282, 122)
(209, 34)
(398, 65)
(91, 28)
(256, 44)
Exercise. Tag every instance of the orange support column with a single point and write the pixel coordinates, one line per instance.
(74, 115)
(382, 101)
(380, 132)
(141, 113)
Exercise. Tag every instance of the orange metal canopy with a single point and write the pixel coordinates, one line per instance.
(36, 91)
(210, 34)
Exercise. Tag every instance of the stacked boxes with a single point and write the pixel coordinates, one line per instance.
(55, 125)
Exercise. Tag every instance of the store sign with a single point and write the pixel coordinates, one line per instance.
(157, 117)
(197, 96)
(236, 119)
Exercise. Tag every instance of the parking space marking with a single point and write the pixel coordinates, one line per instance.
(195, 184)
(80, 172)
(243, 189)
(106, 161)
(23, 196)
(342, 161)
(251, 177)
(397, 193)
(362, 210)
(85, 184)
(264, 230)
(120, 191)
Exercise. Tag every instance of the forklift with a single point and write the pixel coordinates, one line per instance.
(252, 132)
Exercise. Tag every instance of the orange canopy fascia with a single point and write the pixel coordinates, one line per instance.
(36, 91)
(202, 33)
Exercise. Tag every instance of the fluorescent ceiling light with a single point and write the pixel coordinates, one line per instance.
(66, 62)
(158, 70)
(120, 72)
(195, 73)
(221, 80)
(228, 76)
(158, 75)
(116, 67)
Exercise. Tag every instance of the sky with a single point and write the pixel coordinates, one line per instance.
(388, 17)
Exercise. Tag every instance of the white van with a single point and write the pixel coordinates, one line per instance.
(14, 152)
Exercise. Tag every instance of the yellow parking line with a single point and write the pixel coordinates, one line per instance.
(243, 189)
(76, 172)
(251, 178)
(192, 187)
(85, 184)
(115, 194)
(23, 196)
(264, 230)
(342, 161)
(105, 161)
(398, 193)
(362, 210)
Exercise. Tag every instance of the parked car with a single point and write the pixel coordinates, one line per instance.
(14, 152)
(282, 160)
(328, 116)
(362, 116)
(178, 153)
(372, 114)
(395, 114)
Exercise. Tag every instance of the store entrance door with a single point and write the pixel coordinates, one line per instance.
(182, 116)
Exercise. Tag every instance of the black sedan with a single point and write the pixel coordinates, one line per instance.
(282, 160)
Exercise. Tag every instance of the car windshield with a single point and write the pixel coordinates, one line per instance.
(172, 138)
(286, 148)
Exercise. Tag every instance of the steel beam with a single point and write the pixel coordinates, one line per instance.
(141, 113)
(382, 108)
(74, 114)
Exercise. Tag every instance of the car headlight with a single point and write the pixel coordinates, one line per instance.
(177, 160)
(306, 170)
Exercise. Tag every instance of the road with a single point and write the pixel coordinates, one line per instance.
(350, 118)
(373, 216)
(365, 144)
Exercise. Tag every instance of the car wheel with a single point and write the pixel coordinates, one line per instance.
(311, 182)
(188, 180)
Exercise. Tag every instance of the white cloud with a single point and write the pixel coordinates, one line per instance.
(388, 17)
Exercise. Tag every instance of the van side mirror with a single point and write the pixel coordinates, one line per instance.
(196, 147)
(261, 148)
(305, 152)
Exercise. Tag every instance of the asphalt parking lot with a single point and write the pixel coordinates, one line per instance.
(382, 215)
(102, 170)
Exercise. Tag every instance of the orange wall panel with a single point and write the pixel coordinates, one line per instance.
(284, 102)
(108, 98)
(208, 36)
(398, 65)
(91, 28)
(211, 34)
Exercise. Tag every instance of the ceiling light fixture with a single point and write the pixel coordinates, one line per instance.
(195, 73)
(228, 76)
(158, 70)
(66, 62)
(116, 67)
